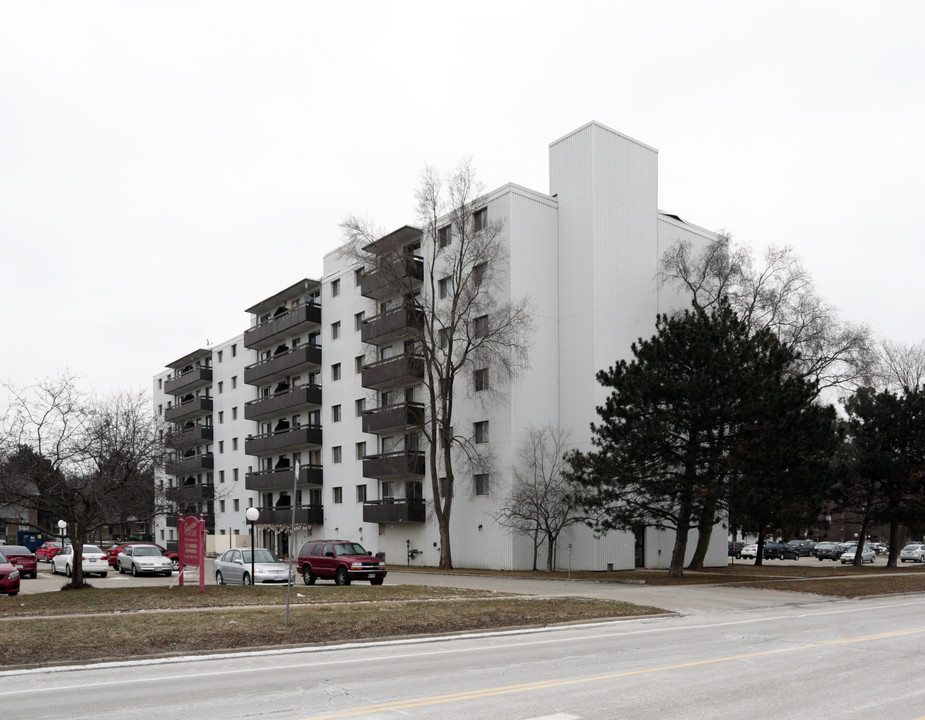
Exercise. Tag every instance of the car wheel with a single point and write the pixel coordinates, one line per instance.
(120, 568)
(219, 580)
(176, 565)
(34, 575)
(103, 574)
(247, 579)
(308, 577)
(376, 581)
(67, 570)
(341, 577)
(14, 594)
(134, 570)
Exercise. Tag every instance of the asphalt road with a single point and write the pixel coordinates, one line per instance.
(734, 654)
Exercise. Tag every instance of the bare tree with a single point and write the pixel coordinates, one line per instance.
(901, 366)
(777, 294)
(540, 504)
(451, 276)
(89, 462)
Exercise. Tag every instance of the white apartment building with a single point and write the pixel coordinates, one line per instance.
(320, 396)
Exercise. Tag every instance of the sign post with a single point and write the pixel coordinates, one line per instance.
(193, 547)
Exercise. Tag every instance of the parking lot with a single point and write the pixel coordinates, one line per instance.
(46, 582)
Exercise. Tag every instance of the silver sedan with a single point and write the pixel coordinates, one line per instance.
(234, 567)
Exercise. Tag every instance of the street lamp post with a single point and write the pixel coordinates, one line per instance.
(61, 526)
(252, 515)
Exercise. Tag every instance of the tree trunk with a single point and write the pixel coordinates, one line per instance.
(858, 555)
(894, 544)
(446, 554)
(759, 553)
(704, 533)
(550, 552)
(676, 569)
(77, 570)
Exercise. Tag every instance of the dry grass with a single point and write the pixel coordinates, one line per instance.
(169, 623)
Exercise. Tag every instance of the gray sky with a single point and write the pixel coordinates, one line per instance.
(163, 166)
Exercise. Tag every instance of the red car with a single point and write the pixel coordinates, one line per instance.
(116, 549)
(9, 577)
(47, 551)
(341, 561)
(22, 559)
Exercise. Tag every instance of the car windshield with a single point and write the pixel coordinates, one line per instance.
(148, 550)
(261, 555)
(349, 549)
(3, 558)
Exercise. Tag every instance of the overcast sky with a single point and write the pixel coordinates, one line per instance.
(164, 166)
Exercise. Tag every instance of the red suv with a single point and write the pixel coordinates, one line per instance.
(340, 560)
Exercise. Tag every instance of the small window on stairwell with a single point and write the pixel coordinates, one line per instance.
(479, 220)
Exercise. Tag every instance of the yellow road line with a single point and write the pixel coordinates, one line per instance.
(546, 684)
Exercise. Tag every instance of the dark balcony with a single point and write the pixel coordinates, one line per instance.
(283, 364)
(188, 437)
(281, 478)
(403, 369)
(282, 403)
(191, 465)
(400, 465)
(393, 418)
(304, 515)
(196, 492)
(395, 278)
(394, 511)
(305, 317)
(395, 324)
(283, 440)
(189, 381)
(189, 410)
(208, 517)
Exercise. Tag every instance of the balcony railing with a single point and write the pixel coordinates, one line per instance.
(304, 515)
(185, 494)
(191, 464)
(282, 403)
(394, 279)
(400, 370)
(282, 440)
(385, 328)
(188, 437)
(394, 511)
(189, 381)
(293, 322)
(208, 517)
(281, 478)
(394, 465)
(393, 418)
(189, 410)
(285, 363)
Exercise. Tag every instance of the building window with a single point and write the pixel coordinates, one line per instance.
(479, 220)
(335, 330)
(221, 446)
(234, 413)
(336, 454)
(358, 320)
(445, 287)
(221, 476)
(357, 276)
(335, 413)
(480, 379)
(361, 493)
(234, 474)
(335, 371)
(234, 350)
(443, 338)
(358, 364)
(335, 288)
(481, 484)
(160, 383)
(443, 236)
(361, 450)
(234, 443)
(481, 431)
(478, 273)
(221, 387)
(360, 406)
(221, 417)
(480, 326)
(388, 490)
(221, 506)
(337, 495)
(219, 355)
(237, 505)
(234, 381)
(160, 409)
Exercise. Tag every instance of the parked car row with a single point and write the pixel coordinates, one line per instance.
(9, 576)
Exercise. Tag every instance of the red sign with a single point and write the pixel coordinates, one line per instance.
(192, 546)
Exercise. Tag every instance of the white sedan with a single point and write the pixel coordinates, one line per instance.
(750, 551)
(867, 554)
(913, 552)
(93, 561)
(142, 559)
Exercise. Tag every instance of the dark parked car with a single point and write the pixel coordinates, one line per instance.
(340, 560)
(735, 549)
(780, 551)
(804, 547)
(22, 559)
(9, 577)
(828, 551)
